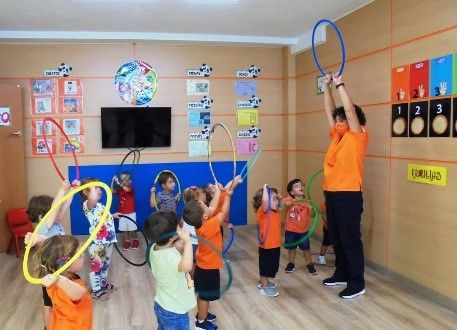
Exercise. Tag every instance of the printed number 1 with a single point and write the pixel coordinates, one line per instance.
(399, 110)
(418, 110)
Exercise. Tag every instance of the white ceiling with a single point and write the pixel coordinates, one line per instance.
(250, 21)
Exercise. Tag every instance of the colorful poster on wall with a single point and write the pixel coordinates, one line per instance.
(70, 87)
(43, 87)
(5, 116)
(70, 105)
(199, 118)
(136, 82)
(76, 144)
(441, 75)
(43, 105)
(400, 84)
(198, 148)
(245, 87)
(246, 146)
(440, 117)
(37, 128)
(454, 79)
(247, 117)
(39, 146)
(72, 126)
(197, 87)
(419, 79)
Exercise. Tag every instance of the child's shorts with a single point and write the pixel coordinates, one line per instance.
(291, 237)
(326, 240)
(46, 299)
(126, 224)
(207, 283)
(269, 262)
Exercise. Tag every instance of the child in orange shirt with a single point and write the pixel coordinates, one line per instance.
(207, 276)
(72, 302)
(297, 225)
(266, 205)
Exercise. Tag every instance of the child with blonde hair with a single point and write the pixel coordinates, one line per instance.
(72, 303)
(36, 210)
(101, 248)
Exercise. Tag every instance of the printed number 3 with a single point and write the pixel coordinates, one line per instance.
(440, 109)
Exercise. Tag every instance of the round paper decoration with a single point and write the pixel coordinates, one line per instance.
(136, 82)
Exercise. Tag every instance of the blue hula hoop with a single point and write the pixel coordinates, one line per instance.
(229, 244)
(340, 36)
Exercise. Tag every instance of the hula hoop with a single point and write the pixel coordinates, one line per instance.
(229, 245)
(212, 247)
(120, 253)
(135, 161)
(50, 154)
(250, 164)
(343, 49)
(155, 182)
(104, 217)
(210, 147)
(314, 207)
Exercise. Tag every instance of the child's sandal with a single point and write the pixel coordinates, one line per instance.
(100, 295)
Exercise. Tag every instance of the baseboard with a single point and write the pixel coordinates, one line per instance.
(412, 286)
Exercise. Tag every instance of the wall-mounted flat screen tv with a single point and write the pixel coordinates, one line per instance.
(129, 127)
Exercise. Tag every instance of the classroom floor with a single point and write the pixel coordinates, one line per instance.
(303, 301)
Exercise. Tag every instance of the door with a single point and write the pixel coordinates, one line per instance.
(12, 160)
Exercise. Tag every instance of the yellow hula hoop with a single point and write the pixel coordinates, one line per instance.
(209, 150)
(109, 199)
(155, 182)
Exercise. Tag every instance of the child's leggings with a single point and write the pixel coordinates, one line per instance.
(100, 257)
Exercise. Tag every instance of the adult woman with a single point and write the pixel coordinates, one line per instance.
(343, 176)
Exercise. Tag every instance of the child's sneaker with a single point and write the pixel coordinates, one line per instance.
(269, 292)
(135, 244)
(205, 325)
(271, 285)
(322, 260)
(290, 267)
(126, 245)
(211, 317)
(101, 295)
(311, 269)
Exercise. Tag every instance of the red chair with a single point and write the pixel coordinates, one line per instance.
(20, 225)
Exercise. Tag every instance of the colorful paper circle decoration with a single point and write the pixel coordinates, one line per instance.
(136, 82)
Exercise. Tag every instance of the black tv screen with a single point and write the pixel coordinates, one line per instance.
(136, 127)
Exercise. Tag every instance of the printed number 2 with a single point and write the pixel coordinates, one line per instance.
(418, 110)
(440, 109)
(416, 93)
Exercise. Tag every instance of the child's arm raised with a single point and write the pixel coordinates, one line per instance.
(186, 263)
(60, 193)
(265, 201)
(92, 198)
(114, 179)
(329, 101)
(64, 208)
(152, 198)
(215, 201)
(73, 290)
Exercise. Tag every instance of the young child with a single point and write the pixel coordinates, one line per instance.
(174, 296)
(72, 302)
(266, 206)
(164, 199)
(126, 195)
(37, 209)
(325, 240)
(207, 276)
(193, 193)
(297, 225)
(101, 248)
